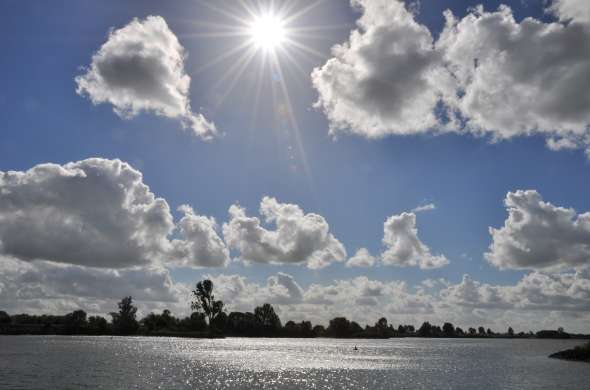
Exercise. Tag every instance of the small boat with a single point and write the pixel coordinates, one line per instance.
(355, 348)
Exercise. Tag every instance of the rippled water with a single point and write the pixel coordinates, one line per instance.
(53, 362)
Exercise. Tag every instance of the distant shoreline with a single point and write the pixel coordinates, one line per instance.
(263, 322)
(199, 335)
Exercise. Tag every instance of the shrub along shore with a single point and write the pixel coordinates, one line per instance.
(580, 353)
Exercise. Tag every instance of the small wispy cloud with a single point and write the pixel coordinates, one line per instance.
(426, 207)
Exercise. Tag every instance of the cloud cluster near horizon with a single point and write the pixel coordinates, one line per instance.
(486, 74)
(141, 68)
(99, 213)
(547, 300)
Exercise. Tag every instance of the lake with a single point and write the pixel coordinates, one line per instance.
(56, 362)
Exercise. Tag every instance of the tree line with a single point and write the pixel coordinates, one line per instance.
(209, 319)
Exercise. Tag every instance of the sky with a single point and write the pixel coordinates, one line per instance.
(418, 160)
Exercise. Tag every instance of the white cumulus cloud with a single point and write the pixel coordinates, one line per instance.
(518, 78)
(380, 81)
(486, 74)
(298, 237)
(141, 68)
(362, 258)
(404, 248)
(539, 235)
(200, 245)
(566, 292)
(98, 213)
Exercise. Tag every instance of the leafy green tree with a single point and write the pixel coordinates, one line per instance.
(355, 329)
(425, 330)
(195, 323)
(220, 322)
(75, 322)
(448, 329)
(4, 318)
(242, 324)
(319, 331)
(339, 327)
(98, 325)
(381, 324)
(268, 318)
(305, 329)
(124, 322)
(198, 321)
(150, 322)
(510, 331)
(154, 322)
(205, 301)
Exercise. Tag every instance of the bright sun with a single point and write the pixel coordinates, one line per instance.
(267, 32)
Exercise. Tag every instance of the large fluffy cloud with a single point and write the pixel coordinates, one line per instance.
(298, 238)
(141, 68)
(486, 74)
(94, 212)
(380, 81)
(519, 78)
(539, 235)
(404, 248)
(98, 213)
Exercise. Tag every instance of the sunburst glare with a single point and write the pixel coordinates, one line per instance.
(276, 38)
(267, 31)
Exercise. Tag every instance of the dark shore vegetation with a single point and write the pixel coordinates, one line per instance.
(580, 353)
(209, 319)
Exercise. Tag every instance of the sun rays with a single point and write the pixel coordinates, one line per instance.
(268, 43)
(274, 33)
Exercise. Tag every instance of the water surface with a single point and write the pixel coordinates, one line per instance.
(54, 362)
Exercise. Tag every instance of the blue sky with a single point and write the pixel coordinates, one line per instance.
(351, 180)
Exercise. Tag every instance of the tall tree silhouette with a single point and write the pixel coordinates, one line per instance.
(205, 301)
(124, 321)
